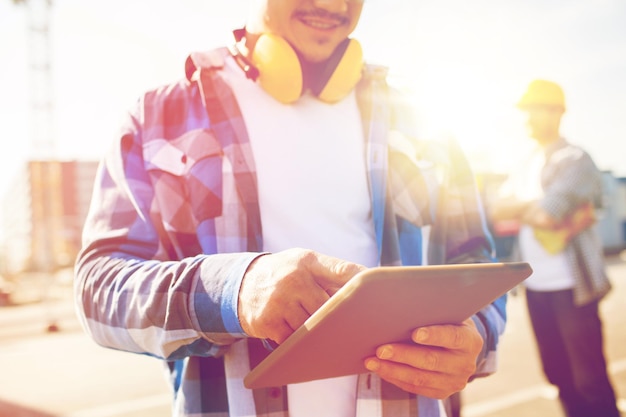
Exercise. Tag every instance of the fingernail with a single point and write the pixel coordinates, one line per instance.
(420, 335)
(372, 365)
(385, 352)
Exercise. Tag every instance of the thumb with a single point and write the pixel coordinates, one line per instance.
(332, 273)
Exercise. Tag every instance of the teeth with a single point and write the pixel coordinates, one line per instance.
(319, 25)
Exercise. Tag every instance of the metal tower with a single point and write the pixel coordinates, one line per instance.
(42, 168)
(40, 74)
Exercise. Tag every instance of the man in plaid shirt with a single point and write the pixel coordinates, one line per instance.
(236, 201)
(553, 196)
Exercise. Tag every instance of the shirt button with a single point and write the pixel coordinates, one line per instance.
(275, 392)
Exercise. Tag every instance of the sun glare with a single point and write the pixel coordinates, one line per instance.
(466, 70)
(476, 111)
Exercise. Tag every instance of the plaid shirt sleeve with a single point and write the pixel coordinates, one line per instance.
(144, 283)
(570, 179)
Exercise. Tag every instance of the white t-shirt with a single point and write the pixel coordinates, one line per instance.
(550, 272)
(313, 193)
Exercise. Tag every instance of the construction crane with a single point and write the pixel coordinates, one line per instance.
(44, 193)
(40, 73)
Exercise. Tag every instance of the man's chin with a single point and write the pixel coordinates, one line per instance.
(317, 56)
(316, 50)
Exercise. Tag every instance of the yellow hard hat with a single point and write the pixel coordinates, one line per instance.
(543, 92)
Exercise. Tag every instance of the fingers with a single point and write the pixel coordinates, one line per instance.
(427, 383)
(295, 316)
(431, 359)
(281, 291)
(439, 363)
(312, 300)
(279, 332)
(451, 336)
(329, 272)
(306, 297)
(284, 309)
(428, 371)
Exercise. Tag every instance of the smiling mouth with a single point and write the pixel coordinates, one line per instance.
(321, 19)
(319, 24)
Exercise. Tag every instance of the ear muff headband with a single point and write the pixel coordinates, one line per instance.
(280, 70)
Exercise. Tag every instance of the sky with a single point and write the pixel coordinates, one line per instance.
(463, 64)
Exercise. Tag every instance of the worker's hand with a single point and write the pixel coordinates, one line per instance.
(280, 291)
(536, 216)
(437, 365)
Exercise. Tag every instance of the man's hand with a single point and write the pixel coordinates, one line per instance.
(280, 291)
(439, 364)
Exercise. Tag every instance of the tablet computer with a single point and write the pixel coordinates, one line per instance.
(382, 305)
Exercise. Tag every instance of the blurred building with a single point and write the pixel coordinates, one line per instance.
(612, 218)
(43, 214)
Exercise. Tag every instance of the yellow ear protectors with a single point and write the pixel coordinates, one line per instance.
(280, 72)
(279, 68)
(346, 73)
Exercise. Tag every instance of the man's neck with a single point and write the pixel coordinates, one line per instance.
(548, 140)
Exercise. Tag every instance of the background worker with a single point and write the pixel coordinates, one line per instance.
(285, 140)
(554, 194)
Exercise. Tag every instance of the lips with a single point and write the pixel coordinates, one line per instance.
(320, 24)
(321, 20)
